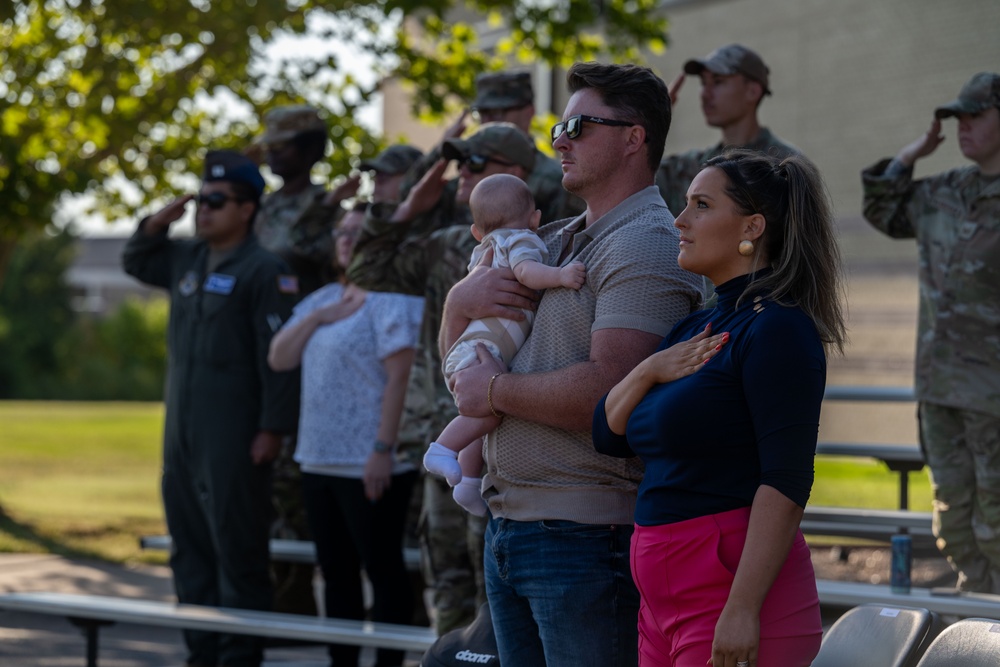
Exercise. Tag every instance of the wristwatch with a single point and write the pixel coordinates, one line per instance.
(383, 447)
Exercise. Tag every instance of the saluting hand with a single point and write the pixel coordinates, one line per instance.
(345, 190)
(167, 215)
(675, 88)
(926, 144)
(456, 129)
(424, 195)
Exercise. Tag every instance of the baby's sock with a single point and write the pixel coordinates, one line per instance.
(469, 495)
(442, 461)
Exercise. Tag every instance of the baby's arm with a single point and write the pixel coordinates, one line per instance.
(537, 275)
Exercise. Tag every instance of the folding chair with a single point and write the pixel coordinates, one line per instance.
(972, 642)
(874, 634)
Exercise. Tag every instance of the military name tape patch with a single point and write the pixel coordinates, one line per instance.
(219, 283)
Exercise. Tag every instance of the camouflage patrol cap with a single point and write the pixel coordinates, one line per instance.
(285, 123)
(234, 167)
(503, 90)
(980, 93)
(732, 59)
(396, 159)
(501, 140)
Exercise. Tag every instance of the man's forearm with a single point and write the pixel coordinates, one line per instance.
(564, 399)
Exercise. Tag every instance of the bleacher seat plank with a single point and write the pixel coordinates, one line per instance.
(292, 551)
(98, 608)
(873, 524)
(852, 594)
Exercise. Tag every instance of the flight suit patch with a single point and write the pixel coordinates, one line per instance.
(288, 284)
(188, 284)
(967, 230)
(219, 283)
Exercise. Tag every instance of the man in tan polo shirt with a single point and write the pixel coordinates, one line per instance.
(557, 542)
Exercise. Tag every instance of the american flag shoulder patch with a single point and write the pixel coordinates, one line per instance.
(288, 284)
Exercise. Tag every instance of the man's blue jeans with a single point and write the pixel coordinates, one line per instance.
(561, 593)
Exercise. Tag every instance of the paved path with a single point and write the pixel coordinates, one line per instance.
(34, 640)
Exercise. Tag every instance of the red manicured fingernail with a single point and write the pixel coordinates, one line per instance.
(717, 348)
(725, 337)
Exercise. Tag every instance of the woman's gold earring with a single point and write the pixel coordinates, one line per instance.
(746, 248)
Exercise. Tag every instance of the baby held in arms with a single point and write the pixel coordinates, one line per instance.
(505, 221)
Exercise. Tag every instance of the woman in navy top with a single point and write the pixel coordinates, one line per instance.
(725, 417)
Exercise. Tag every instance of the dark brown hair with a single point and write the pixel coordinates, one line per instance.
(637, 94)
(798, 239)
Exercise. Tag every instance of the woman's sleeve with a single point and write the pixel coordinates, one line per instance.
(398, 318)
(302, 308)
(607, 441)
(784, 377)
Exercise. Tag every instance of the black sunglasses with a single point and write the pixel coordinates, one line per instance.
(573, 125)
(214, 200)
(477, 163)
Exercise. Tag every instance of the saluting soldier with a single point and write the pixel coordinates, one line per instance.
(390, 168)
(226, 411)
(508, 97)
(297, 219)
(955, 218)
(296, 222)
(734, 82)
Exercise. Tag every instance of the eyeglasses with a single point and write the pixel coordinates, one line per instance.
(214, 200)
(573, 125)
(476, 164)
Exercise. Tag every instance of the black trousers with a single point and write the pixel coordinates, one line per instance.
(352, 532)
(217, 505)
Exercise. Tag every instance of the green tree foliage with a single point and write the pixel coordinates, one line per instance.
(119, 357)
(97, 94)
(47, 351)
(35, 312)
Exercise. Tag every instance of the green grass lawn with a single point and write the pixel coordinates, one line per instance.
(82, 479)
(851, 482)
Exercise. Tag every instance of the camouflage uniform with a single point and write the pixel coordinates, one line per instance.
(677, 171)
(544, 181)
(505, 90)
(296, 227)
(396, 159)
(955, 218)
